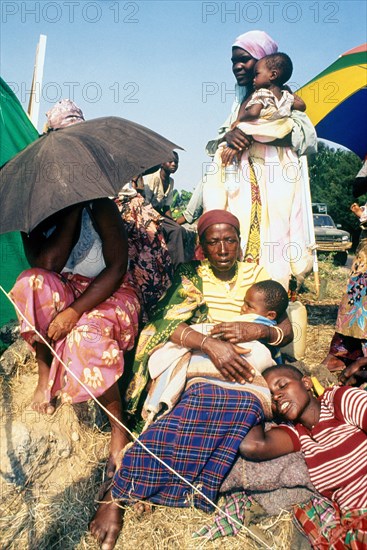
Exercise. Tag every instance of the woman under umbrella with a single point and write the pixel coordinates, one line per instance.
(79, 297)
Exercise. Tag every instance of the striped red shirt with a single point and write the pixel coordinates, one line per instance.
(335, 449)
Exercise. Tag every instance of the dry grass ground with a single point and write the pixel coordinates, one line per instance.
(49, 504)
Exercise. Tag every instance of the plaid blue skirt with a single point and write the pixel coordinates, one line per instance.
(199, 439)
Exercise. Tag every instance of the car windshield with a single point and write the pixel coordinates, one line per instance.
(323, 220)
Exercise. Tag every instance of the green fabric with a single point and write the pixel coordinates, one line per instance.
(237, 506)
(343, 62)
(184, 301)
(327, 527)
(16, 132)
(242, 510)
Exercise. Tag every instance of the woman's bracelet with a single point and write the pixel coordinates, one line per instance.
(182, 337)
(202, 342)
(279, 338)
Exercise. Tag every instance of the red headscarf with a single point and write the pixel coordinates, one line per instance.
(217, 216)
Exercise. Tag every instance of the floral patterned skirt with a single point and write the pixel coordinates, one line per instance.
(352, 314)
(94, 349)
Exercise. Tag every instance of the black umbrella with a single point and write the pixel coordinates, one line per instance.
(85, 161)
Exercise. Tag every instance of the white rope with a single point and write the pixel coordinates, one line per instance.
(130, 432)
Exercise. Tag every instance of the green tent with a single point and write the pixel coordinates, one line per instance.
(16, 132)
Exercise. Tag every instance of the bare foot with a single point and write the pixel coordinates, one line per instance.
(40, 403)
(107, 522)
(142, 508)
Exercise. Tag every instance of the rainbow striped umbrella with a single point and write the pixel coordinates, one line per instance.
(337, 101)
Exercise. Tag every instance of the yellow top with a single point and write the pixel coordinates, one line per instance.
(225, 302)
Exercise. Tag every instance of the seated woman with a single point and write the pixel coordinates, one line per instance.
(331, 431)
(200, 437)
(79, 298)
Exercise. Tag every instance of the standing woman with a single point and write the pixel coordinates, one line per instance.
(268, 196)
(78, 295)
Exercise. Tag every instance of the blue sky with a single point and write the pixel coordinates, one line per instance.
(164, 64)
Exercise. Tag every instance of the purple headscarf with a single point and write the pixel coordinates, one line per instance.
(64, 113)
(257, 43)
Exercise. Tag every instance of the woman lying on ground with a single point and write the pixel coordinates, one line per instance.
(332, 433)
(78, 296)
(200, 437)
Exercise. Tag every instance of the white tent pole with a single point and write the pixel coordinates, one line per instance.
(309, 218)
(36, 90)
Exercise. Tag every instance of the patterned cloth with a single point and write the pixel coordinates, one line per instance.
(273, 108)
(328, 529)
(150, 264)
(237, 505)
(186, 301)
(94, 348)
(252, 252)
(350, 339)
(199, 439)
(352, 314)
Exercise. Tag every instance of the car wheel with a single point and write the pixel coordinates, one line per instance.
(340, 258)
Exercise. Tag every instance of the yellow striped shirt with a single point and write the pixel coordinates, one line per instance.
(223, 303)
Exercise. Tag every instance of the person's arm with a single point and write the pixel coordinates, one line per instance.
(241, 331)
(194, 208)
(264, 445)
(356, 370)
(168, 201)
(166, 211)
(148, 190)
(351, 405)
(227, 358)
(359, 211)
(237, 140)
(52, 252)
(298, 104)
(115, 253)
(251, 112)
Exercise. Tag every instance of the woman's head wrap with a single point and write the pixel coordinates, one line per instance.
(256, 43)
(216, 216)
(63, 114)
